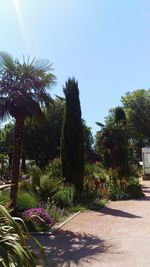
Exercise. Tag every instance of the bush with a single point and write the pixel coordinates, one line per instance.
(31, 225)
(89, 196)
(95, 181)
(47, 188)
(134, 189)
(24, 186)
(96, 170)
(78, 207)
(4, 196)
(97, 205)
(64, 197)
(25, 201)
(35, 173)
(55, 212)
(125, 189)
(54, 169)
(37, 219)
(116, 192)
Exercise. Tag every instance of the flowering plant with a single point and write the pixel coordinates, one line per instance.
(39, 215)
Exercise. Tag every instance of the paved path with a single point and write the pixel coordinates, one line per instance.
(119, 236)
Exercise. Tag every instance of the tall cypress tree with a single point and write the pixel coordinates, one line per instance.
(72, 144)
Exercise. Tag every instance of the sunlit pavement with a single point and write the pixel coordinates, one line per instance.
(118, 236)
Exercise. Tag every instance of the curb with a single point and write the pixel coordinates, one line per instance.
(55, 228)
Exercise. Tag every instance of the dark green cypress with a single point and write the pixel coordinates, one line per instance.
(120, 116)
(72, 143)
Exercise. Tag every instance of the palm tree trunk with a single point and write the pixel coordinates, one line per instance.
(23, 162)
(17, 151)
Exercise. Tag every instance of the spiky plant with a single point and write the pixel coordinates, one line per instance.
(13, 243)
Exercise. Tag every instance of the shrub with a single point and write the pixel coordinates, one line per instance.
(78, 207)
(55, 212)
(4, 196)
(89, 196)
(96, 170)
(125, 189)
(35, 173)
(64, 197)
(97, 205)
(47, 188)
(134, 189)
(25, 201)
(13, 248)
(116, 192)
(31, 225)
(54, 169)
(24, 186)
(37, 219)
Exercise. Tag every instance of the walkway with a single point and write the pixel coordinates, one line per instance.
(119, 236)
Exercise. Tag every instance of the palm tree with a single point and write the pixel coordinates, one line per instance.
(22, 92)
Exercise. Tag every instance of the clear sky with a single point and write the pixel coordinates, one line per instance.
(105, 44)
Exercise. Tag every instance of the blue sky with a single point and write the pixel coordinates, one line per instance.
(105, 44)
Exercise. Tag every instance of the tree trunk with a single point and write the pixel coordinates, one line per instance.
(17, 150)
(23, 163)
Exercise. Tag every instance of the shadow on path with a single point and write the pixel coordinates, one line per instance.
(146, 190)
(118, 213)
(65, 247)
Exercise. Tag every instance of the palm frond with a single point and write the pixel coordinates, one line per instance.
(100, 124)
(45, 99)
(4, 112)
(23, 86)
(43, 65)
(6, 61)
(60, 98)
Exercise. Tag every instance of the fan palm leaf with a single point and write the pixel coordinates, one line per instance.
(23, 90)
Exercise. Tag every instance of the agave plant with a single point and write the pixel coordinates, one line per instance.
(13, 243)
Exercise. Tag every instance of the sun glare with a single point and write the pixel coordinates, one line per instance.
(20, 20)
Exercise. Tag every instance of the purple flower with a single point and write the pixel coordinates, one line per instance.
(39, 212)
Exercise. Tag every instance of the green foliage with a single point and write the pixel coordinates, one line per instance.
(25, 201)
(89, 196)
(113, 142)
(35, 173)
(96, 170)
(24, 186)
(54, 169)
(116, 192)
(55, 212)
(32, 226)
(72, 141)
(64, 197)
(137, 107)
(45, 138)
(22, 92)
(76, 208)
(13, 243)
(125, 189)
(6, 140)
(88, 142)
(47, 188)
(119, 115)
(4, 196)
(134, 189)
(97, 205)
